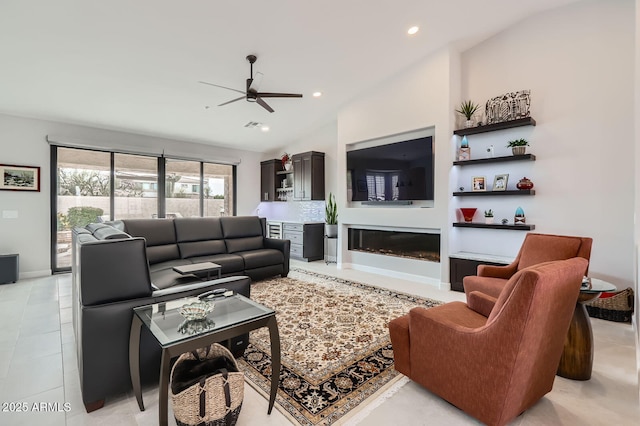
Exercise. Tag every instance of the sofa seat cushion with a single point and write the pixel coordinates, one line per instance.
(168, 265)
(260, 258)
(166, 278)
(230, 263)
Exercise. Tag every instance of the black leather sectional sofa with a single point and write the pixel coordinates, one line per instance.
(124, 264)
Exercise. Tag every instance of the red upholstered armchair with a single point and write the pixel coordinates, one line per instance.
(536, 248)
(492, 367)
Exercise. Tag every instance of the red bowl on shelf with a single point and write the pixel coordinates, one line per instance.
(468, 213)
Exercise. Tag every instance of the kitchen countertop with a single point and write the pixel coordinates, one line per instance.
(303, 222)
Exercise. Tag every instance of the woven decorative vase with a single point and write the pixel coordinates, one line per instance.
(213, 396)
(518, 150)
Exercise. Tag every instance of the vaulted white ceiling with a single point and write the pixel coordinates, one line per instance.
(134, 65)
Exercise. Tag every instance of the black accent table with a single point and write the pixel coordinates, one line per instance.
(231, 317)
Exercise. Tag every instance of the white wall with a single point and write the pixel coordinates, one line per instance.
(578, 62)
(419, 98)
(23, 142)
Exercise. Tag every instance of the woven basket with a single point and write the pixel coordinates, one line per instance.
(618, 308)
(206, 388)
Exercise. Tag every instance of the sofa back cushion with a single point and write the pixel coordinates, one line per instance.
(242, 233)
(160, 236)
(235, 245)
(199, 236)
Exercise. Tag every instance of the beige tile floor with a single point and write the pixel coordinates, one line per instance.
(38, 371)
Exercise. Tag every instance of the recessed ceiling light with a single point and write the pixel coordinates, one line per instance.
(265, 128)
(317, 94)
(413, 30)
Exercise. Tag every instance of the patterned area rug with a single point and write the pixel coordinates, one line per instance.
(335, 345)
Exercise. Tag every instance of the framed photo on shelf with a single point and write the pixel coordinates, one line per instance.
(19, 178)
(500, 182)
(479, 183)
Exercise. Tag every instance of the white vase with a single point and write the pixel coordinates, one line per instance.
(287, 166)
(488, 220)
(331, 230)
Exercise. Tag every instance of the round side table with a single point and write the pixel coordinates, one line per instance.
(577, 357)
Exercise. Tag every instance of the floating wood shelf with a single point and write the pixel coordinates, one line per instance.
(523, 227)
(492, 193)
(525, 157)
(528, 121)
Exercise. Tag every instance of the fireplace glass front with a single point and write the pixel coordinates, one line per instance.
(413, 245)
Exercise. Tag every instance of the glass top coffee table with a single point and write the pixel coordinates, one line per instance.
(232, 316)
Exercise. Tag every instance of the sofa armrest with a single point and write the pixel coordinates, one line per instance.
(239, 284)
(284, 246)
(112, 271)
(481, 303)
(504, 272)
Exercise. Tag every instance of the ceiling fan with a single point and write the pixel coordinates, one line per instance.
(252, 94)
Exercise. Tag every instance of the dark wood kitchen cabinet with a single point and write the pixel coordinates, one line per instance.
(269, 179)
(308, 176)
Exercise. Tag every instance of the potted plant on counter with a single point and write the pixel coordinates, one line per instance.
(518, 146)
(331, 217)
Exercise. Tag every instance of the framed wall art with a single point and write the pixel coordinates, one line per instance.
(19, 178)
(500, 182)
(478, 183)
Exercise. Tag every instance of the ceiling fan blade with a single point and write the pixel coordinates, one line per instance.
(255, 83)
(278, 95)
(233, 100)
(217, 85)
(263, 104)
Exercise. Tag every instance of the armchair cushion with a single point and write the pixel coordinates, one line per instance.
(481, 303)
(544, 248)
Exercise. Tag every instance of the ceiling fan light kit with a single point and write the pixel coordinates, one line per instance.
(252, 94)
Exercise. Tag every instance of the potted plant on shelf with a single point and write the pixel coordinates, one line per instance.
(488, 216)
(468, 108)
(331, 217)
(286, 161)
(518, 146)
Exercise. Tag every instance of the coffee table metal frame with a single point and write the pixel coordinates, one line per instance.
(197, 268)
(193, 342)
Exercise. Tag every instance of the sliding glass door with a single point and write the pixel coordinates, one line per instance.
(83, 196)
(96, 186)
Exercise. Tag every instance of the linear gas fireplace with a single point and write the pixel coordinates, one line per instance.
(411, 245)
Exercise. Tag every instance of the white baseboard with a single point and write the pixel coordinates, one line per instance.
(35, 274)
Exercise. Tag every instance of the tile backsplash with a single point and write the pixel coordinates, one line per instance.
(302, 211)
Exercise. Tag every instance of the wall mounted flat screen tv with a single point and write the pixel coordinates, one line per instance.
(394, 172)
